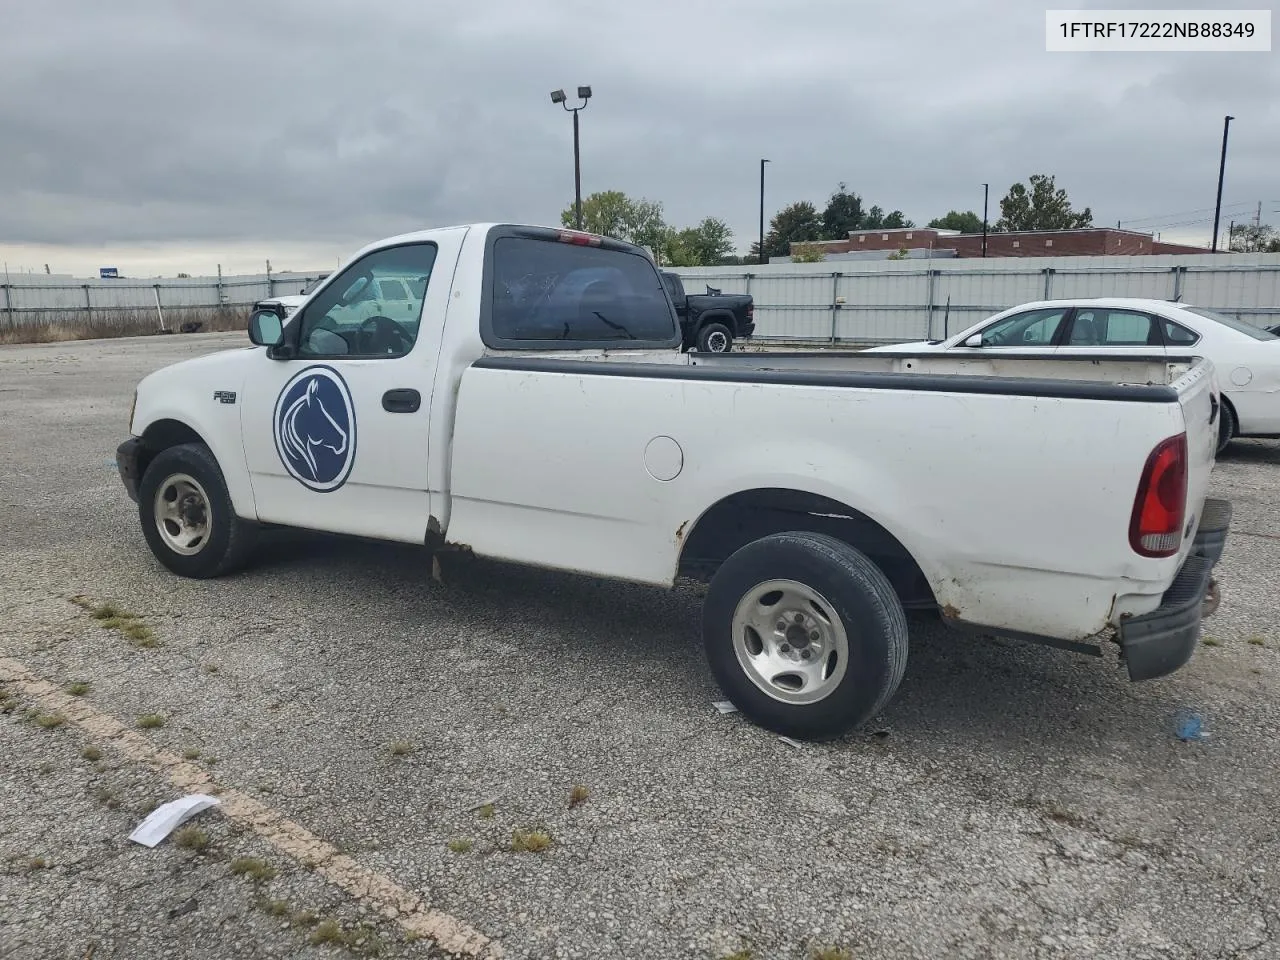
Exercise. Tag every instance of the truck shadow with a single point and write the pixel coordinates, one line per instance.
(975, 692)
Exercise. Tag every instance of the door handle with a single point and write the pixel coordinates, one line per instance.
(403, 400)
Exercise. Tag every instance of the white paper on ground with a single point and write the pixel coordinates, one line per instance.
(792, 743)
(166, 818)
(724, 706)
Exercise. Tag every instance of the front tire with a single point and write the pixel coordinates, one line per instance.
(715, 338)
(804, 634)
(187, 516)
(1227, 426)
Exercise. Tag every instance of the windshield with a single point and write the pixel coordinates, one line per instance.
(1239, 325)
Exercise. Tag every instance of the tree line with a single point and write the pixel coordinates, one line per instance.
(1038, 204)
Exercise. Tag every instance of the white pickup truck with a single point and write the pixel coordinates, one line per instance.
(534, 406)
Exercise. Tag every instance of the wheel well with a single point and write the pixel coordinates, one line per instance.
(721, 317)
(162, 435)
(744, 517)
(1226, 402)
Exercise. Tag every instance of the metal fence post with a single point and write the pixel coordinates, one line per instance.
(88, 305)
(835, 306)
(929, 307)
(1048, 283)
(221, 307)
(8, 301)
(1178, 274)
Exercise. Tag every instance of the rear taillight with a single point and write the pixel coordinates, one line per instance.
(751, 311)
(1161, 505)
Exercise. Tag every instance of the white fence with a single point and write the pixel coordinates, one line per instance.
(892, 301)
(843, 301)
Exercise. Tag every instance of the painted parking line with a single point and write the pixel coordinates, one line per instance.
(290, 838)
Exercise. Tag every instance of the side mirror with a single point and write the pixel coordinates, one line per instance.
(266, 328)
(973, 341)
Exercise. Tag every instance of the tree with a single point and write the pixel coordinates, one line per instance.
(967, 222)
(1247, 238)
(796, 223)
(607, 212)
(1040, 208)
(807, 253)
(842, 214)
(707, 244)
(877, 219)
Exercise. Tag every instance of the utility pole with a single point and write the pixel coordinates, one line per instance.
(763, 258)
(1222, 169)
(985, 191)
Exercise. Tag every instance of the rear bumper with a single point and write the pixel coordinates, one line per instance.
(127, 457)
(1159, 642)
(746, 329)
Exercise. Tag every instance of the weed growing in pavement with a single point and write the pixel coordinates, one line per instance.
(112, 616)
(746, 953)
(578, 795)
(304, 918)
(78, 689)
(530, 841)
(276, 908)
(256, 870)
(830, 953)
(1211, 642)
(485, 811)
(400, 748)
(191, 838)
(150, 721)
(190, 754)
(1257, 641)
(91, 753)
(460, 846)
(37, 863)
(48, 721)
(107, 797)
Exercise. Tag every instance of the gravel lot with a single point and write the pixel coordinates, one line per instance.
(1014, 801)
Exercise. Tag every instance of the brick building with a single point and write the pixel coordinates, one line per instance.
(1089, 241)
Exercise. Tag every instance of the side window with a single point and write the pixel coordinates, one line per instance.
(373, 308)
(671, 286)
(1124, 328)
(1034, 328)
(1176, 335)
(549, 290)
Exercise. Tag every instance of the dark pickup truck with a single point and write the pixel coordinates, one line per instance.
(711, 321)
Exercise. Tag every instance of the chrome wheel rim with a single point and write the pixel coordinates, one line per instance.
(717, 342)
(790, 641)
(183, 514)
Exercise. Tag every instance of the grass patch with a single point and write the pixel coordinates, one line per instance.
(107, 797)
(304, 918)
(140, 635)
(1211, 642)
(91, 753)
(274, 908)
(485, 811)
(830, 953)
(460, 846)
(530, 841)
(400, 748)
(150, 721)
(78, 689)
(108, 611)
(211, 668)
(48, 721)
(37, 863)
(190, 754)
(259, 871)
(578, 795)
(1257, 641)
(329, 932)
(191, 838)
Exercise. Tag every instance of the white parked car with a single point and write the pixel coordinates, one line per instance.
(1246, 358)
(536, 407)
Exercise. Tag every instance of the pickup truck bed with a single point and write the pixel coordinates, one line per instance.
(537, 408)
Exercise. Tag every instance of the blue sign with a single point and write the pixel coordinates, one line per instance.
(315, 429)
(108, 273)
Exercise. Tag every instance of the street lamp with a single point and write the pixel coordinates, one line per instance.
(1222, 169)
(584, 94)
(763, 260)
(984, 218)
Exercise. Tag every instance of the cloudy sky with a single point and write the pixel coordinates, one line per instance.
(160, 136)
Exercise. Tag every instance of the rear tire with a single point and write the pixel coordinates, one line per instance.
(715, 338)
(187, 516)
(1227, 426)
(791, 594)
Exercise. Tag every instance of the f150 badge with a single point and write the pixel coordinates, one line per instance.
(315, 429)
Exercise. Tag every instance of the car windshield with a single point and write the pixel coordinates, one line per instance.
(1246, 328)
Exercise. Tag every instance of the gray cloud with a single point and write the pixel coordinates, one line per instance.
(324, 122)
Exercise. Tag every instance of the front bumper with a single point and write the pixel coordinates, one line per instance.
(128, 455)
(1159, 642)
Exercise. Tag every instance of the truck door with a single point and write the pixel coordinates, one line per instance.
(335, 436)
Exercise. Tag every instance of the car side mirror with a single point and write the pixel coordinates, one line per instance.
(974, 341)
(266, 328)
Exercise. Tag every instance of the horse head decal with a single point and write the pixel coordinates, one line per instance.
(306, 426)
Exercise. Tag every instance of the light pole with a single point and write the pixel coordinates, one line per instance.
(584, 94)
(1222, 169)
(763, 259)
(984, 218)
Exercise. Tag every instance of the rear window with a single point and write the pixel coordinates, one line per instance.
(1246, 328)
(551, 291)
